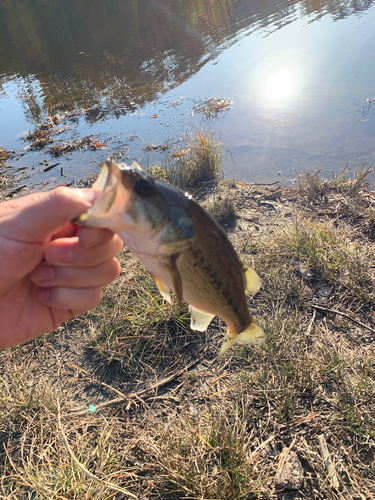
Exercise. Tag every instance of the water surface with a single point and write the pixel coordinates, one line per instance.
(300, 74)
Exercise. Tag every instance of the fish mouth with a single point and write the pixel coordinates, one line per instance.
(115, 186)
(106, 185)
(113, 172)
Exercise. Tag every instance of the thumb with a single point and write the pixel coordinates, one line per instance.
(35, 217)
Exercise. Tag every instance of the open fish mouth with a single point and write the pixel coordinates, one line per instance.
(114, 174)
(108, 184)
(101, 181)
(117, 185)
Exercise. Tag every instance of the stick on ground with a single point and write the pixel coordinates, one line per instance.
(328, 462)
(153, 387)
(327, 309)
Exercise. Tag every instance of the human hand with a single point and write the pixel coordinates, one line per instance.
(49, 270)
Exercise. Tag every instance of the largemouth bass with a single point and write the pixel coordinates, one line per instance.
(182, 246)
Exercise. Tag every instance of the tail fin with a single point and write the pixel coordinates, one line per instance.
(252, 335)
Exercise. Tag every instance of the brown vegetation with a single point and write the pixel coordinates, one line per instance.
(127, 401)
(212, 107)
(197, 161)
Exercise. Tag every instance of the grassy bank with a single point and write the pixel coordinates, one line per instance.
(127, 402)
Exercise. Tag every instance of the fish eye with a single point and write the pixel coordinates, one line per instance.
(143, 187)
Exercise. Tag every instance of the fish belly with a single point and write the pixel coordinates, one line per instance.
(207, 283)
(210, 288)
(147, 252)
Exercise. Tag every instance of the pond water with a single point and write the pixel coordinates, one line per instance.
(300, 74)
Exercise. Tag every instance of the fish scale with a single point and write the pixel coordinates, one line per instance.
(182, 246)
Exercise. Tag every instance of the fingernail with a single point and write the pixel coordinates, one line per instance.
(58, 255)
(44, 273)
(43, 295)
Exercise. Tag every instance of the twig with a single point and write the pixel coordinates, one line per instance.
(328, 462)
(157, 385)
(311, 324)
(305, 419)
(15, 191)
(83, 468)
(285, 453)
(264, 183)
(96, 381)
(255, 453)
(222, 390)
(334, 311)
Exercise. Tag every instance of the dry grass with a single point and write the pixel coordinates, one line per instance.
(331, 255)
(3, 182)
(127, 398)
(223, 209)
(342, 198)
(316, 188)
(197, 161)
(137, 327)
(7, 178)
(4, 155)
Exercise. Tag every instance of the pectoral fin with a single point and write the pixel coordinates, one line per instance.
(251, 279)
(252, 335)
(163, 289)
(175, 277)
(199, 320)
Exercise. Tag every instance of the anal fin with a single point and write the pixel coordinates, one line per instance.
(163, 289)
(252, 335)
(199, 320)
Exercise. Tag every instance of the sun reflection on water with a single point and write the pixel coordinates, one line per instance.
(280, 85)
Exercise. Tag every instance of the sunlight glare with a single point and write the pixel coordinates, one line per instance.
(279, 85)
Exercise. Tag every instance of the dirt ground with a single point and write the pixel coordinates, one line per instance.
(127, 402)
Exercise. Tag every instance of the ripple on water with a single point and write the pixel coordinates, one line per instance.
(312, 94)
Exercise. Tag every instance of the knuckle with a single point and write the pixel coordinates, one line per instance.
(64, 197)
(60, 192)
(92, 297)
(60, 196)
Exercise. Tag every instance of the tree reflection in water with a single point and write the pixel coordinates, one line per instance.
(113, 53)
